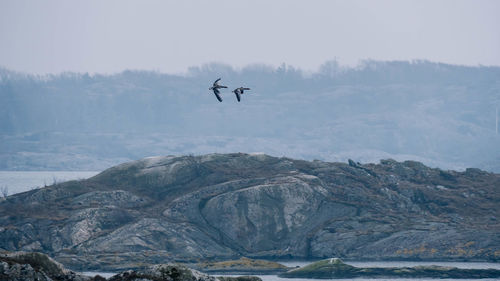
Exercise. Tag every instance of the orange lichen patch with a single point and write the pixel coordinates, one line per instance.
(420, 250)
(243, 263)
(459, 250)
(468, 244)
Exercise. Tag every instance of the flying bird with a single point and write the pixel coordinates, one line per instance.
(239, 91)
(215, 87)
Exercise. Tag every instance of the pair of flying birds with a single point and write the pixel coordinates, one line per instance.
(238, 91)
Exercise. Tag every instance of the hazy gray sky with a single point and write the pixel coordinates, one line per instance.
(169, 36)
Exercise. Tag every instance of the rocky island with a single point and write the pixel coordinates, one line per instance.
(27, 266)
(220, 207)
(334, 268)
(241, 266)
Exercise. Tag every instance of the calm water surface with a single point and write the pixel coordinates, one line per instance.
(477, 265)
(472, 265)
(276, 278)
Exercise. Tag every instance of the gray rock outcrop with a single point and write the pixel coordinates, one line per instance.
(30, 266)
(167, 272)
(33, 266)
(224, 206)
(334, 268)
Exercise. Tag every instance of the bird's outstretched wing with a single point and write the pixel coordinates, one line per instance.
(238, 97)
(245, 88)
(215, 83)
(217, 95)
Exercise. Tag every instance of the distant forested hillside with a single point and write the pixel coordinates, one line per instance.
(442, 115)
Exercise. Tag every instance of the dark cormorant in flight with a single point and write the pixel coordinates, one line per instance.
(239, 91)
(216, 88)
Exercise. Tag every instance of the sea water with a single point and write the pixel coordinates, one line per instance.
(471, 265)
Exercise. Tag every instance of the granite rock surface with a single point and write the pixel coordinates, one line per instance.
(225, 206)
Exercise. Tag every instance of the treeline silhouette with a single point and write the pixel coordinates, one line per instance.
(432, 110)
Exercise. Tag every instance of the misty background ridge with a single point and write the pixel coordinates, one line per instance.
(442, 115)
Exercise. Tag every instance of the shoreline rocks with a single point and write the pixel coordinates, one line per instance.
(224, 206)
(31, 266)
(243, 266)
(27, 266)
(335, 268)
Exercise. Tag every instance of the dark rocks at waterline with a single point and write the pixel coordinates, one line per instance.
(334, 268)
(225, 206)
(241, 266)
(24, 266)
(173, 272)
(167, 272)
(239, 278)
(31, 266)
